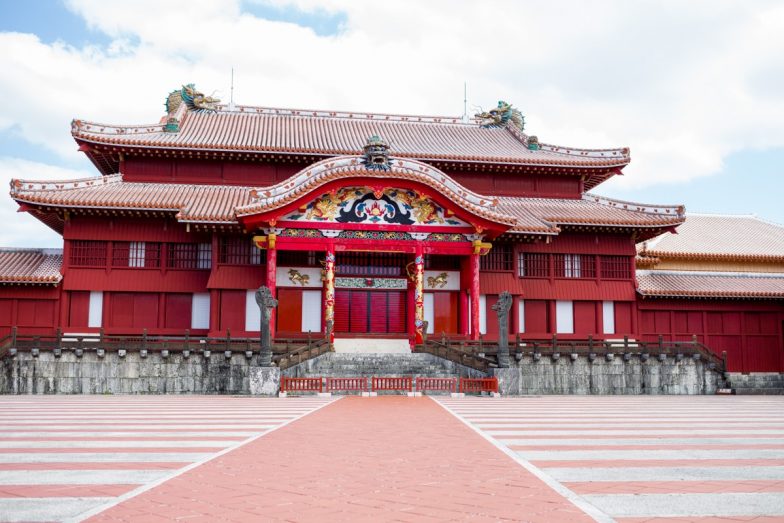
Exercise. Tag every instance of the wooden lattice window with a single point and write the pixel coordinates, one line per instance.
(574, 265)
(616, 267)
(498, 259)
(88, 253)
(136, 254)
(533, 265)
(189, 256)
(239, 250)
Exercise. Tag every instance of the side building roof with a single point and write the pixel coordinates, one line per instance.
(715, 240)
(30, 266)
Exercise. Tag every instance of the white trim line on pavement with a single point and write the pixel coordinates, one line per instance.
(577, 500)
(145, 488)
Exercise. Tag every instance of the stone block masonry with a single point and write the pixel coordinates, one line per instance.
(613, 374)
(136, 373)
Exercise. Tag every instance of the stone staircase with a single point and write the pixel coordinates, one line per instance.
(349, 365)
(762, 383)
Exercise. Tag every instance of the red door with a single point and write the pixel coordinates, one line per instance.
(376, 312)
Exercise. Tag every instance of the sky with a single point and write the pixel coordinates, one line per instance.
(695, 89)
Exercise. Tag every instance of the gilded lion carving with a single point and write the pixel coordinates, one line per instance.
(437, 281)
(297, 277)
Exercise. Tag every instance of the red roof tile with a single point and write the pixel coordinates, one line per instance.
(217, 204)
(721, 238)
(324, 133)
(710, 284)
(38, 266)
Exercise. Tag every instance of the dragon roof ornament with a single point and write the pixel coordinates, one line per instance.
(194, 100)
(504, 114)
(376, 157)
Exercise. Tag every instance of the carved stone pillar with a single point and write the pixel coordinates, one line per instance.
(502, 307)
(419, 296)
(328, 279)
(267, 305)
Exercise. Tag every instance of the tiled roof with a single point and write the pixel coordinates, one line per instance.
(324, 133)
(589, 210)
(710, 284)
(218, 204)
(721, 238)
(39, 266)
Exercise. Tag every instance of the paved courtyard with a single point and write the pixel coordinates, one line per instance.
(538, 459)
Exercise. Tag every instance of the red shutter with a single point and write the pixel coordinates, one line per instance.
(623, 317)
(232, 310)
(289, 310)
(396, 309)
(78, 309)
(359, 311)
(584, 318)
(342, 310)
(145, 310)
(535, 316)
(178, 311)
(378, 311)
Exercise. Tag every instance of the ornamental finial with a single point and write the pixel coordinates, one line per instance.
(376, 157)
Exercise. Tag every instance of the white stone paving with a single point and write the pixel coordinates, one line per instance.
(674, 435)
(40, 443)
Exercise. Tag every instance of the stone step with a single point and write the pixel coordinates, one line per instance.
(748, 391)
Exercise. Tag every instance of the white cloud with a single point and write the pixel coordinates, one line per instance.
(684, 84)
(22, 229)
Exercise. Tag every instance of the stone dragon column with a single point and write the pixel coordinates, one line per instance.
(328, 278)
(419, 296)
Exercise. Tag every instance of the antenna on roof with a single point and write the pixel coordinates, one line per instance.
(231, 98)
(465, 102)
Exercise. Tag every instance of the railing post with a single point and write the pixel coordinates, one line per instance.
(555, 342)
(590, 342)
(625, 344)
(661, 343)
(228, 339)
(144, 338)
(59, 334)
(13, 337)
(187, 339)
(100, 337)
(694, 342)
(724, 360)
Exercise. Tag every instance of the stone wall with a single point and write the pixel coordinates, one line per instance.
(608, 375)
(134, 373)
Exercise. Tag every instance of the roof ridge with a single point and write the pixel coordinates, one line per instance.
(712, 274)
(18, 185)
(679, 210)
(49, 251)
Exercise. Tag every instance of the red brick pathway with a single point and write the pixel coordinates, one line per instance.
(358, 459)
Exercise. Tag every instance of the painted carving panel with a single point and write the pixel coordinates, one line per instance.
(367, 206)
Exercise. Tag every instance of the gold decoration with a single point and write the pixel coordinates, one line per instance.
(437, 281)
(297, 277)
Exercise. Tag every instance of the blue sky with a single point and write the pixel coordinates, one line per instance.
(699, 135)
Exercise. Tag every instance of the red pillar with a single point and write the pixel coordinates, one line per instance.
(272, 265)
(474, 273)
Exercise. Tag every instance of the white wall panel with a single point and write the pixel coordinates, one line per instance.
(200, 311)
(521, 316)
(252, 312)
(608, 317)
(564, 317)
(482, 314)
(95, 312)
(311, 311)
(430, 316)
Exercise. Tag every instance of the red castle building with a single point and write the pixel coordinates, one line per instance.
(374, 225)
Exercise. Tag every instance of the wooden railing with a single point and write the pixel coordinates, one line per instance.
(285, 351)
(424, 384)
(482, 354)
(478, 385)
(392, 383)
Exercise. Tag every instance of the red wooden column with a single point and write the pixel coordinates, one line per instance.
(419, 294)
(329, 294)
(272, 265)
(474, 275)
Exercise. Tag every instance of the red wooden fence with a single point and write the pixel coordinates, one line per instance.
(478, 385)
(349, 384)
(439, 384)
(392, 384)
(300, 384)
